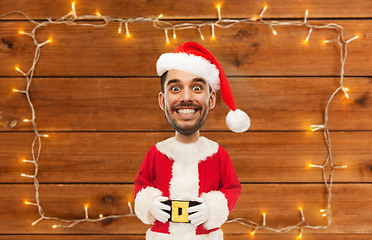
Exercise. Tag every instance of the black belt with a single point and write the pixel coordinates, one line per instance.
(178, 212)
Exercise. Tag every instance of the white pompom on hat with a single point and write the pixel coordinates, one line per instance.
(193, 58)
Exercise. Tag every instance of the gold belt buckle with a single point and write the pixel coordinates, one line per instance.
(179, 211)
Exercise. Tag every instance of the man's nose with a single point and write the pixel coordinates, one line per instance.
(186, 95)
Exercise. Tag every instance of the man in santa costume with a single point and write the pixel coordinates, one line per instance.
(187, 185)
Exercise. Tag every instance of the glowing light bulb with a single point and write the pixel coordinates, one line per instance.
(21, 32)
(202, 37)
(100, 216)
(213, 35)
(275, 33)
(119, 31)
(50, 40)
(54, 226)
(127, 30)
(27, 202)
(160, 16)
(325, 41)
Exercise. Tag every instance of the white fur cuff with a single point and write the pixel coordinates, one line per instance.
(218, 209)
(143, 202)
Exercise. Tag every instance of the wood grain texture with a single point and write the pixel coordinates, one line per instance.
(242, 50)
(110, 104)
(95, 94)
(226, 237)
(279, 201)
(116, 157)
(193, 9)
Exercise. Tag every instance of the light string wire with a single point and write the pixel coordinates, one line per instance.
(70, 19)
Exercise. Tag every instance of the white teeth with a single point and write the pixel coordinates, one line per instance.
(186, 111)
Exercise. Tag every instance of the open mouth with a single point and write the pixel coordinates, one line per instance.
(186, 111)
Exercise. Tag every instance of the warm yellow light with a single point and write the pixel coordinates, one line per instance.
(160, 16)
(73, 5)
(119, 31)
(45, 135)
(300, 236)
(27, 202)
(17, 68)
(21, 32)
(202, 37)
(98, 14)
(275, 33)
(325, 41)
(254, 18)
(174, 35)
(50, 40)
(344, 166)
(252, 233)
(100, 216)
(322, 210)
(218, 7)
(168, 41)
(86, 207)
(54, 226)
(300, 208)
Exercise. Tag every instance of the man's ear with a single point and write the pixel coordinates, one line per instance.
(161, 100)
(212, 100)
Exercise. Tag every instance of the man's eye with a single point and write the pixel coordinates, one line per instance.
(196, 88)
(175, 88)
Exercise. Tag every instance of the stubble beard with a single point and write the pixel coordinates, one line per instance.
(187, 130)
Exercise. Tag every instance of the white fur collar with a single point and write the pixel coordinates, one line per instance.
(197, 151)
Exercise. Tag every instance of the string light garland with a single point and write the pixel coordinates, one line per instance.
(72, 17)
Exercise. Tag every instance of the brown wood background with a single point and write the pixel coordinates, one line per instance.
(95, 94)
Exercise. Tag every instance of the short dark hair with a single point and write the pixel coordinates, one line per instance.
(163, 77)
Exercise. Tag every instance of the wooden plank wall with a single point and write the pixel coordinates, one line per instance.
(95, 94)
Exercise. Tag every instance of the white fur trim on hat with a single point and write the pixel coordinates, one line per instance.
(143, 202)
(238, 121)
(189, 63)
(218, 209)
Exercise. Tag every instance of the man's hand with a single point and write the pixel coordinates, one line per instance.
(157, 208)
(200, 213)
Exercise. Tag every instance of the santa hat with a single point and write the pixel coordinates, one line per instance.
(193, 58)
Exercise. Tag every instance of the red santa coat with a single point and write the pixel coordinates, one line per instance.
(185, 172)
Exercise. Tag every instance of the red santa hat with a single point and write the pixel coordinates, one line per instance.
(193, 58)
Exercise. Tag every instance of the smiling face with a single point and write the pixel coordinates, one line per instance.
(186, 101)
